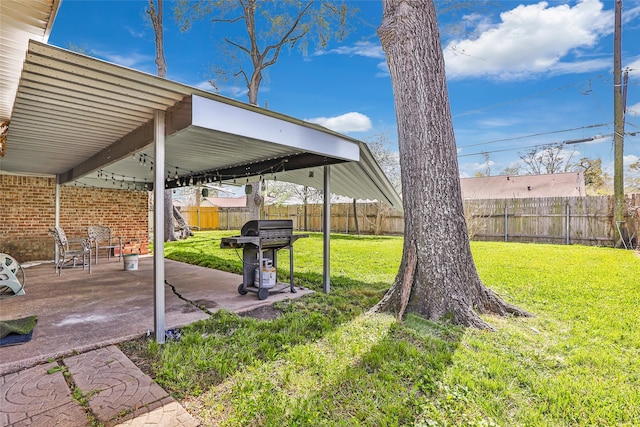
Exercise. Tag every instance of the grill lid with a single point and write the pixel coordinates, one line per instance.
(267, 227)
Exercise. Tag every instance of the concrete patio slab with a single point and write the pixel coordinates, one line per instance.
(79, 316)
(78, 311)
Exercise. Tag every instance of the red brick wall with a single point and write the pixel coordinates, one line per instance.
(27, 211)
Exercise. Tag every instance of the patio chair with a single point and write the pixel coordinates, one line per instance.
(11, 276)
(101, 238)
(71, 250)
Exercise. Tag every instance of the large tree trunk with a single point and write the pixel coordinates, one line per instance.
(437, 276)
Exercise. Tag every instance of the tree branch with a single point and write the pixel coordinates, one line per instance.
(239, 46)
(286, 38)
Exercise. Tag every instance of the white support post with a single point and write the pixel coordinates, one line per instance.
(326, 259)
(57, 216)
(158, 227)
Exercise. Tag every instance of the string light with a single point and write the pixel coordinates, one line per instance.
(190, 177)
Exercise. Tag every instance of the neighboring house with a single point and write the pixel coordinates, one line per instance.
(523, 186)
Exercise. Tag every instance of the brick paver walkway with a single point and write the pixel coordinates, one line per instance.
(117, 392)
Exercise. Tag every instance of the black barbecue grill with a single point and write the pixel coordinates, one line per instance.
(260, 240)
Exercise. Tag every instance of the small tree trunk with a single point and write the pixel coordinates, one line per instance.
(379, 219)
(254, 201)
(182, 231)
(169, 230)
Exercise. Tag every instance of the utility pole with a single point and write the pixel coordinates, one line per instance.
(618, 135)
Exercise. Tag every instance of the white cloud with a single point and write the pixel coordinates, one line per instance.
(531, 39)
(136, 32)
(205, 85)
(131, 60)
(349, 122)
(580, 66)
(498, 122)
(629, 159)
(483, 166)
(634, 110)
(383, 69)
(234, 91)
(362, 48)
(468, 170)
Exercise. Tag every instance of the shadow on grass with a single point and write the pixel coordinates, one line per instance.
(395, 376)
(371, 371)
(390, 385)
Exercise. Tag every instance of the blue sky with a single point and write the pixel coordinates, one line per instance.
(520, 74)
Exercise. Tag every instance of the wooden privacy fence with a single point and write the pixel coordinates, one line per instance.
(580, 220)
(569, 220)
(214, 218)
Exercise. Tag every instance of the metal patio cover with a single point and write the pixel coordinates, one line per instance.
(88, 121)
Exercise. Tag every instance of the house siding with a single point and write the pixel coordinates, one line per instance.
(27, 211)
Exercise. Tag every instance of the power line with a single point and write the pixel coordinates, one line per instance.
(546, 144)
(505, 149)
(536, 134)
(501, 104)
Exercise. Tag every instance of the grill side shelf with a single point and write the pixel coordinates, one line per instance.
(238, 241)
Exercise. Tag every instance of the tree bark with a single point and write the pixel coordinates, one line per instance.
(156, 20)
(443, 277)
(169, 230)
(254, 200)
(182, 231)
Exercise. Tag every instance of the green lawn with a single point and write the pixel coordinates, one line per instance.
(325, 362)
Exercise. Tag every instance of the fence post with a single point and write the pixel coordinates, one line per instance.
(506, 222)
(347, 227)
(568, 226)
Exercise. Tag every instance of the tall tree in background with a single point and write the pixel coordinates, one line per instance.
(390, 164)
(548, 159)
(269, 26)
(170, 212)
(594, 177)
(437, 276)
(632, 178)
